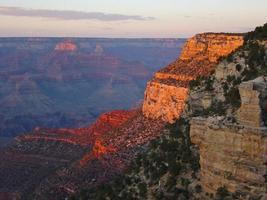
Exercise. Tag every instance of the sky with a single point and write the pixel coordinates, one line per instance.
(128, 18)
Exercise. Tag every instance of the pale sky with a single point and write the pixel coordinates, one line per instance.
(128, 18)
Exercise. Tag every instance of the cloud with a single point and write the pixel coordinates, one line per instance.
(68, 14)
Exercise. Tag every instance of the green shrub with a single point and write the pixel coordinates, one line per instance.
(237, 81)
(222, 193)
(263, 70)
(232, 97)
(259, 33)
(249, 74)
(174, 168)
(209, 83)
(198, 189)
(238, 67)
(230, 58)
(195, 83)
(256, 54)
(142, 187)
(216, 108)
(230, 79)
(171, 183)
(168, 155)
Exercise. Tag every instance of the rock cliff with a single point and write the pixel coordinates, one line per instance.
(234, 155)
(54, 163)
(217, 147)
(230, 131)
(66, 46)
(253, 98)
(166, 93)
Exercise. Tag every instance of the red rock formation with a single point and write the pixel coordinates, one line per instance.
(90, 136)
(110, 153)
(98, 150)
(166, 94)
(95, 154)
(135, 131)
(210, 46)
(66, 46)
(81, 136)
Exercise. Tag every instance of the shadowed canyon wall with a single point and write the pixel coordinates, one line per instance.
(235, 155)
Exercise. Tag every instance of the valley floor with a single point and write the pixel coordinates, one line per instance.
(4, 141)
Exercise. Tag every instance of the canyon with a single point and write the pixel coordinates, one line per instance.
(232, 138)
(69, 82)
(222, 122)
(166, 93)
(55, 163)
(61, 161)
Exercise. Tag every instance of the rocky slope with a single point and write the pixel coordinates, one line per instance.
(231, 131)
(58, 162)
(166, 94)
(31, 158)
(217, 148)
(110, 154)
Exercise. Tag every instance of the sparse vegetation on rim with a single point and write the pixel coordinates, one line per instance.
(169, 166)
(169, 162)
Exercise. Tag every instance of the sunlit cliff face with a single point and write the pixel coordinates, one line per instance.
(105, 123)
(90, 136)
(66, 46)
(99, 149)
(166, 93)
(210, 46)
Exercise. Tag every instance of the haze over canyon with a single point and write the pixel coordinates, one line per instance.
(64, 82)
(133, 119)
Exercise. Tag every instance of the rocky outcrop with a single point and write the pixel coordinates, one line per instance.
(54, 163)
(210, 46)
(31, 158)
(98, 50)
(166, 93)
(80, 136)
(234, 155)
(164, 101)
(66, 46)
(110, 153)
(253, 97)
(231, 156)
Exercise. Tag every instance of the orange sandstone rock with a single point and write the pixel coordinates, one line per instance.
(166, 93)
(81, 136)
(164, 101)
(210, 46)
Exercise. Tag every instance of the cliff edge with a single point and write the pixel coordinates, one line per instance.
(227, 113)
(166, 93)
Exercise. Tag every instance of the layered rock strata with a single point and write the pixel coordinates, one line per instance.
(231, 156)
(166, 93)
(253, 97)
(234, 155)
(55, 163)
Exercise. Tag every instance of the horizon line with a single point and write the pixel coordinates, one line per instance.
(87, 37)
